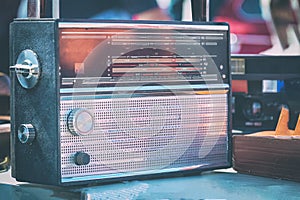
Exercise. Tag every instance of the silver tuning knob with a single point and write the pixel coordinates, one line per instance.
(80, 122)
(27, 69)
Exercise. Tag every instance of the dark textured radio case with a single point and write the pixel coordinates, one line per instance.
(96, 101)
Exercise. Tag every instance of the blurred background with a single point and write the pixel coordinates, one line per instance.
(257, 26)
(260, 27)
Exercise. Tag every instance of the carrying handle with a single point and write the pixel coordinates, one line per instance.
(40, 9)
(200, 10)
(43, 8)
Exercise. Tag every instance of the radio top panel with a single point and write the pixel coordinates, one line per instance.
(109, 53)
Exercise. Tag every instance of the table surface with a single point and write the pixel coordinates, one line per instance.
(219, 184)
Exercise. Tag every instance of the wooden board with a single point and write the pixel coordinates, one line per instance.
(267, 155)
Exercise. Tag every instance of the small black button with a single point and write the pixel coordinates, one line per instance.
(81, 158)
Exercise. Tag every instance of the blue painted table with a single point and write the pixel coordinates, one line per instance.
(209, 185)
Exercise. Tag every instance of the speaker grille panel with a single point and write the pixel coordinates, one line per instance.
(146, 133)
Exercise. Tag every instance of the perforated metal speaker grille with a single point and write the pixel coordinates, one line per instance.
(146, 133)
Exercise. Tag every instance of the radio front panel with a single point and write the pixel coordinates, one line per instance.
(133, 99)
(142, 134)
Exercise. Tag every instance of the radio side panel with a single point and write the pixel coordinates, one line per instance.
(37, 161)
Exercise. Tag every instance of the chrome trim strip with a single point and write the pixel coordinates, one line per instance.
(99, 24)
(127, 174)
(143, 88)
(109, 80)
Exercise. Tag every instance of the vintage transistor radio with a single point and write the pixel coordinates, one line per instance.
(97, 101)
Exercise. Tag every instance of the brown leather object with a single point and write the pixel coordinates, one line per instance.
(4, 139)
(273, 154)
(267, 156)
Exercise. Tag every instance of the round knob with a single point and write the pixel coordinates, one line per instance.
(81, 158)
(80, 122)
(27, 69)
(26, 133)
